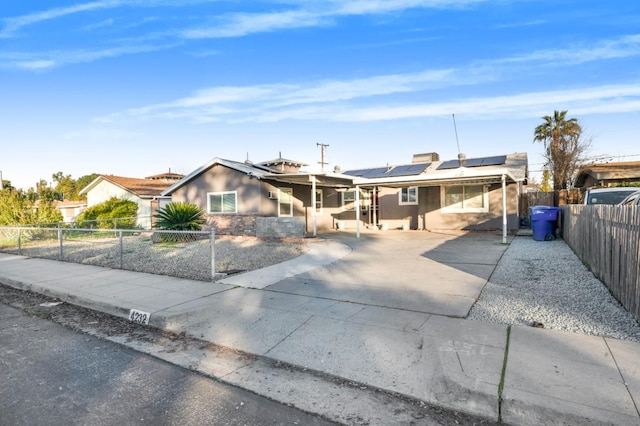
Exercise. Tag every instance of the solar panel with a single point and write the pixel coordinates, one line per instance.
(494, 161)
(474, 162)
(378, 172)
(367, 173)
(449, 164)
(408, 170)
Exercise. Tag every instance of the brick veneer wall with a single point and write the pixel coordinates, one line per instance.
(257, 226)
(233, 224)
(279, 227)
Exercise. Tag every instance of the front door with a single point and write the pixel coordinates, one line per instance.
(372, 201)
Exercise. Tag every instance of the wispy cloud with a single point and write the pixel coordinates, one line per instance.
(605, 49)
(238, 25)
(522, 24)
(102, 24)
(53, 59)
(11, 25)
(598, 99)
(232, 102)
(394, 95)
(286, 15)
(311, 14)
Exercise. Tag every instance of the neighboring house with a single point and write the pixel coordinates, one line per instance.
(275, 198)
(70, 209)
(607, 174)
(147, 193)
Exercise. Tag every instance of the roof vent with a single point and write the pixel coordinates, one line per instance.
(337, 170)
(462, 159)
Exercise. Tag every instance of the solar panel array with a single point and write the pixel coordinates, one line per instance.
(379, 172)
(474, 162)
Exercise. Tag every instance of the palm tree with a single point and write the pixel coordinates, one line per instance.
(562, 144)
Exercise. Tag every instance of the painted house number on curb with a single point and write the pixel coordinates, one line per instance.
(139, 317)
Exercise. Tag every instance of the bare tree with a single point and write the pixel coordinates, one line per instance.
(563, 145)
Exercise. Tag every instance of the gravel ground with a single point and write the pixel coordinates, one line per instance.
(191, 260)
(543, 283)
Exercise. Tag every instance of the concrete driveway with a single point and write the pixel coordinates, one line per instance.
(434, 273)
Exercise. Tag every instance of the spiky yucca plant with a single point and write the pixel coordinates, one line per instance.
(179, 217)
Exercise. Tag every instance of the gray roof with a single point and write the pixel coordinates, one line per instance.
(486, 169)
(246, 168)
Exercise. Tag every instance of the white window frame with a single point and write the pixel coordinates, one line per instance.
(345, 207)
(280, 190)
(446, 209)
(318, 203)
(222, 194)
(408, 191)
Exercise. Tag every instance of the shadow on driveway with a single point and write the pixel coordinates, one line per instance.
(427, 272)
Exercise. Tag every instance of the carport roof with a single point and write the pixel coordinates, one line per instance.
(474, 170)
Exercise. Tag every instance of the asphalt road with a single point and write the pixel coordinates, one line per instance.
(54, 376)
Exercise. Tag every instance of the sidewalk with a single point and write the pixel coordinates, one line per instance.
(550, 377)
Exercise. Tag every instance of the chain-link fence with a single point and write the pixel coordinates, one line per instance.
(125, 223)
(184, 254)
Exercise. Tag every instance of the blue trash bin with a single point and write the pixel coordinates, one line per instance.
(543, 222)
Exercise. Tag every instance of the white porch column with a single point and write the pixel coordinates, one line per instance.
(374, 210)
(314, 200)
(504, 209)
(357, 206)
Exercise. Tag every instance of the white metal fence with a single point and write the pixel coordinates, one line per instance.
(184, 254)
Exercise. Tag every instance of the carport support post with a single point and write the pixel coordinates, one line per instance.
(357, 211)
(504, 209)
(314, 200)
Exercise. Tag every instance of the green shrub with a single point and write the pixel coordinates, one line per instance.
(103, 215)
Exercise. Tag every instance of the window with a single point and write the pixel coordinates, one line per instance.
(285, 202)
(318, 209)
(408, 196)
(465, 199)
(349, 199)
(222, 202)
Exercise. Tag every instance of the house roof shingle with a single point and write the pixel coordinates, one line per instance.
(143, 188)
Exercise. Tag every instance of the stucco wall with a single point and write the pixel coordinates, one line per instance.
(221, 179)
(431, 217)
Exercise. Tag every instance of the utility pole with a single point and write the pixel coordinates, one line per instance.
(323, 147)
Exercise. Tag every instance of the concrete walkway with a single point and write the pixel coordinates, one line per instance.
(385, 311)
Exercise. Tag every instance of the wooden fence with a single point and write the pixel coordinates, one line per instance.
(606, 238)
(530, 199)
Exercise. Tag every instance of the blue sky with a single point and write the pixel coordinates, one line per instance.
(135, 87)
